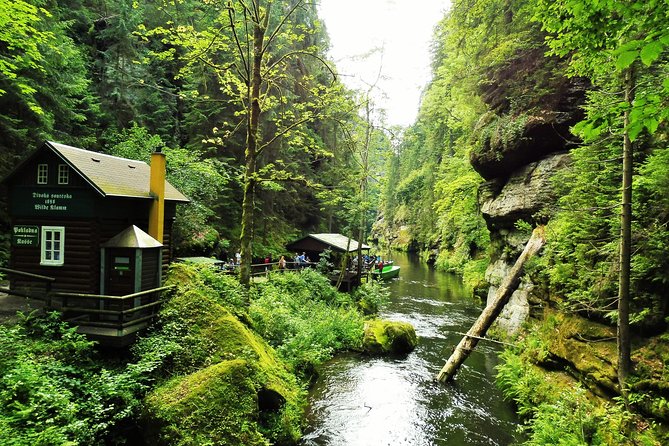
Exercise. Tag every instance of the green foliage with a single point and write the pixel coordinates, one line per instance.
(555, 408)
(324, 265)
(22, 34)
(583, 237)
(370, 296)
(56, 391)
(305, 318)
(97, 75)
(463, 233)
(199, 346)
(473, 276)
(203, 180)
(215, 364)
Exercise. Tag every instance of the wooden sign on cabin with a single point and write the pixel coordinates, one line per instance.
(87, 223)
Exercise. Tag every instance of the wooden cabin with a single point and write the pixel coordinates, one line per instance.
(89, 230)
(313, 246)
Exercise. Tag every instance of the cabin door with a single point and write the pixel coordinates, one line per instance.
(120, 272)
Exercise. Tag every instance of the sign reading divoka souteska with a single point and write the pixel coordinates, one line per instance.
(42, 201)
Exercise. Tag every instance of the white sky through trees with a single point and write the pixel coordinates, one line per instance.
(403, 29)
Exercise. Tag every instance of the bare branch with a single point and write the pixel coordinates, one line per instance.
(271, 38)
(304, 53)
(282, 132)
(231, 17)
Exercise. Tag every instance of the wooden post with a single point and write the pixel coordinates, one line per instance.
(490, 313)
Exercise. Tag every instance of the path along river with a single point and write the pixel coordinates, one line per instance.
(363, 401)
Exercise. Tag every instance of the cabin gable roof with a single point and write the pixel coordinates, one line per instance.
(110, 176)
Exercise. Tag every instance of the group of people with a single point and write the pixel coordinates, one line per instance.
(369, 262)
(299, 261)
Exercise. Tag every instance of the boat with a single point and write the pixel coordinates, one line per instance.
(388, 272)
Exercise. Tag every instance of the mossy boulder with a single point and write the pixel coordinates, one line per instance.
(217, 405)
(389, 337)
(230, 386)
(590, 350)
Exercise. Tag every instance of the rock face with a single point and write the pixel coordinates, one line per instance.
(389, 337)
(588, 349)
(517, 310)
(526, 195)
(538, 138)
(527, 192)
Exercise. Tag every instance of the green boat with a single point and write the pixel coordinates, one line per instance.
(388, 272)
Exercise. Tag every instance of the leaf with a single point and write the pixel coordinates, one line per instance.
(651, 52)
(626, 59)
(634, 130)
(651, 124)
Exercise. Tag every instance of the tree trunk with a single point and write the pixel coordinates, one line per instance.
(624, 343)
(250, 155)
(490, 313)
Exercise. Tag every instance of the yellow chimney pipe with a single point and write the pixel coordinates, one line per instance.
(157, 190)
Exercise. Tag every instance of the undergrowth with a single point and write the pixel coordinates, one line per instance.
(556, 409)
(307, 320)
(56, 387)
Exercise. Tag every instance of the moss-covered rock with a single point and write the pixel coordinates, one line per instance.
(590, 350)
(230, 388)
(217, 405)
(389, 337)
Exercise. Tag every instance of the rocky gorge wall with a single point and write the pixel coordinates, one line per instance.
(526, 195)
(519, 156)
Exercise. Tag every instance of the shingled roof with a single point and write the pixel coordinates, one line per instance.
(337, 242)
(110, 175)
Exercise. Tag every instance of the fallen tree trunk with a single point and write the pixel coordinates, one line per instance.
(490, 313)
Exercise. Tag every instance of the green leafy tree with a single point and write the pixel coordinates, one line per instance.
(205, 181)
(613, 43)
(255, 53)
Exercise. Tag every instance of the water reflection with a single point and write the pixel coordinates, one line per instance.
(385, 401)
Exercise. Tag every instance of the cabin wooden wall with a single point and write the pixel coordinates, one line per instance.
(81, 268)
(149, 268)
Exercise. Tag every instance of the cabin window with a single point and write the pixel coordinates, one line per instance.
(42, 173)
(53, 245)
(63, 174)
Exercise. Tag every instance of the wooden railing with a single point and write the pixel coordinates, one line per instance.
(263, 269)
(105, 316)
(104, 311)
(28, 292)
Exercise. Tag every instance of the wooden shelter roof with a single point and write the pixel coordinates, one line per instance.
(321, 242)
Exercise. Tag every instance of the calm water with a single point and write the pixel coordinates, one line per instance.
(384, 401)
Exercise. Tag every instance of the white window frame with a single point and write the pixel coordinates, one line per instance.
(63, 174)
(52, 251)
(42, 174)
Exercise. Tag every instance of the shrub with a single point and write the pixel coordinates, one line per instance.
(305, 319)
(54, 390)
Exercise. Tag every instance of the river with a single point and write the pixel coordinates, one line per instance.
(364, 401)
